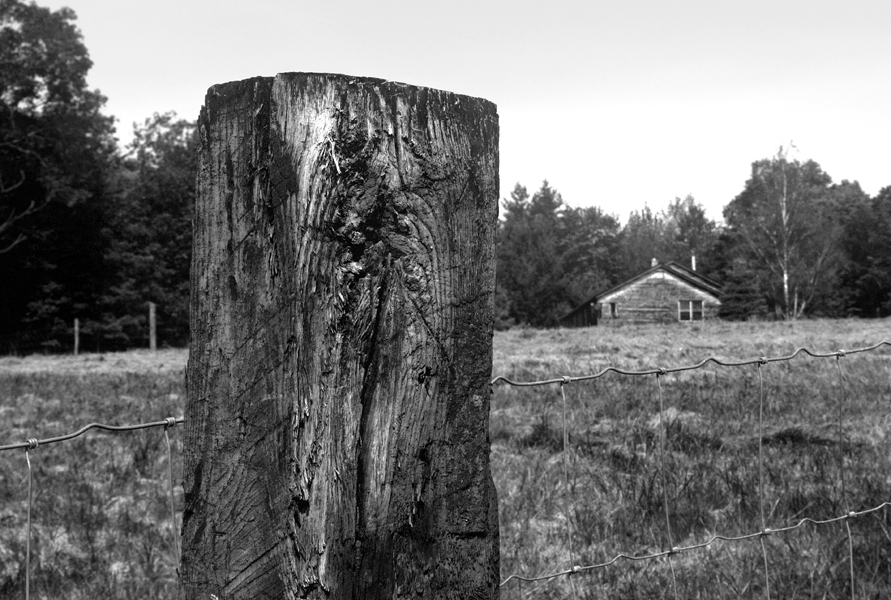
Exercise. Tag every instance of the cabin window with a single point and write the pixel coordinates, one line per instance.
(689, 310)
(613, 309)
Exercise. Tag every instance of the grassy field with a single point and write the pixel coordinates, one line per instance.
(102, 526)
(101, 517)
(613, 500)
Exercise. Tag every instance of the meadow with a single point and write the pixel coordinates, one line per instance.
(101, 522)
(101, 517)
(612, 501)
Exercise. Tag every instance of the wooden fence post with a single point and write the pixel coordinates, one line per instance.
(76, 336)
(153, 338)
(341, 342)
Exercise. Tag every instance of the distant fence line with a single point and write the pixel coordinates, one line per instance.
(573, 569)
(81, 335)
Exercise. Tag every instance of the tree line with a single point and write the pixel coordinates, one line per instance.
(88, 230)
(93, 231)
(792, 244)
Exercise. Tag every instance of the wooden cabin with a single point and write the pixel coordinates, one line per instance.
(663, 294)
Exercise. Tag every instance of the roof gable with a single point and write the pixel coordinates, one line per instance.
(685, 275)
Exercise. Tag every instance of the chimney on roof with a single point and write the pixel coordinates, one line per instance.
(654, 262)
(693, 261)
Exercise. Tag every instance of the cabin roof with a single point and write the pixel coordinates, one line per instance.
(686, 275)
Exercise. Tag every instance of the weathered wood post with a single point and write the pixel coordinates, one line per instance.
(76, 336)
(342, 311)
(153, 327)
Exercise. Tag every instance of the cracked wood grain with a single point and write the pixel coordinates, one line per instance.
(342, 310)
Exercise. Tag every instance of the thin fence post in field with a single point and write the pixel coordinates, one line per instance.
(764, 530)
(568, 503)
(153, 338)
(76, 336)
(841, 464)
(32, 445)
(662, 434)
(336, 440)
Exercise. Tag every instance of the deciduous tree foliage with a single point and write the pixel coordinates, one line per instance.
(788, 229)
(53, 139)
(84, 232)
(150, 234)
(55, 150)
(589, 247)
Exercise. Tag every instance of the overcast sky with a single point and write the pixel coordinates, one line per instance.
(617, 103)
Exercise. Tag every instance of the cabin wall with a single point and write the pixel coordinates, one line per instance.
(654, 299)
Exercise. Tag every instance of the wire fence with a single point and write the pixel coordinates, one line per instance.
(32, 444)
(93, 335)
(572, 570)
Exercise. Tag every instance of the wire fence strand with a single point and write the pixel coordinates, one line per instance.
(765, 531)
(86, 428)
(704, 362)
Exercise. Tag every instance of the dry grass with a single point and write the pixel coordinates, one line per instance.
(101, 522)
(613, 500)
(144, 362)
(101, 527)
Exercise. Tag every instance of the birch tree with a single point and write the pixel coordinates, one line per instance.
(786, 225)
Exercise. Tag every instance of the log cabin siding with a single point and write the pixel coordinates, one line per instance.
(654, 299)
(651, 297)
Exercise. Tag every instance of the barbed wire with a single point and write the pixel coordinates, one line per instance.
(673, 550)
